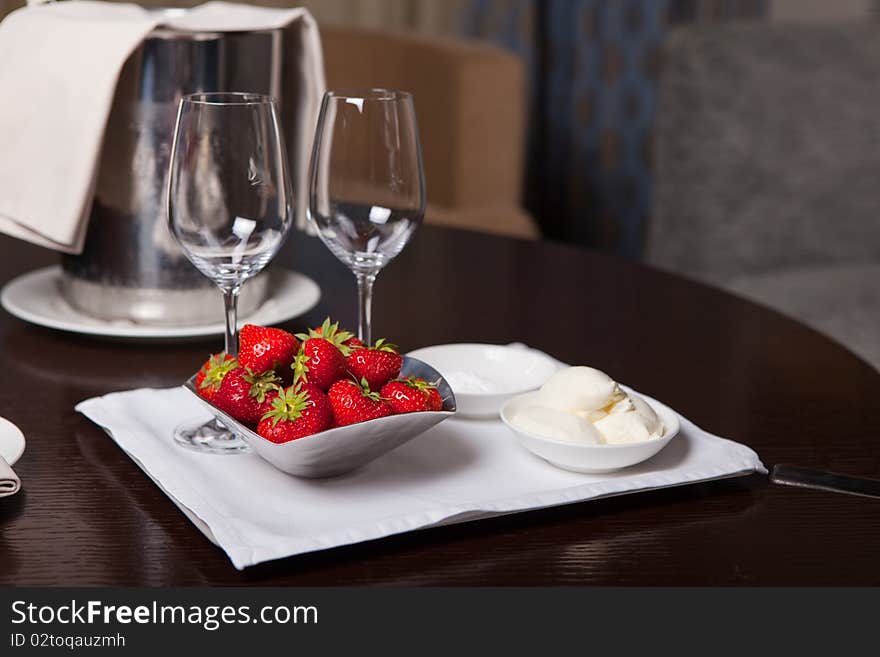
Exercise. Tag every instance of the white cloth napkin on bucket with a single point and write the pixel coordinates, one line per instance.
(457, 471)
(59, 65)
(9, 481)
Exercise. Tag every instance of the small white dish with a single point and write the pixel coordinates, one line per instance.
(343, 449)
(35, 297)
(592, 459)
(485, 376)
(11, 441)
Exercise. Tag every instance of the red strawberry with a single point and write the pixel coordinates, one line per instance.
(377, 364)
(353, 402)
(297, 411)
(344, 340)
(247, 396)
(263, 349)
(319, 362)
(411, 395)
(211, 374)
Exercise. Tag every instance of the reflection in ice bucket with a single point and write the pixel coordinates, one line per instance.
(130, 267)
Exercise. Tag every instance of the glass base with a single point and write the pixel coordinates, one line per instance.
(209, 437)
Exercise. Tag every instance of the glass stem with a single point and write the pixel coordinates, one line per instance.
(230, 301)
(365, 303)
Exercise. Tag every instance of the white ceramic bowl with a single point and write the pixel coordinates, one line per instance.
(485, 376)
(591, 458)
(340, 450)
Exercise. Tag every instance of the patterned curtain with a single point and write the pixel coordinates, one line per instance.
(593, 69)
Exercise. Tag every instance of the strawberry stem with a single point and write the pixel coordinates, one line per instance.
(288, 405)
(219, 365)
(365, 390)
(300, 367)
(262, 384)
(332, 333)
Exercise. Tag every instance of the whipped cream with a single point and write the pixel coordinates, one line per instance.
(584, 405)
(556, 424)
(577, 389)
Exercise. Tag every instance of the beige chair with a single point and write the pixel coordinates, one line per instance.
(470, 102)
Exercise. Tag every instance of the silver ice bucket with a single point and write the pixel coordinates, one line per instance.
(131, 268)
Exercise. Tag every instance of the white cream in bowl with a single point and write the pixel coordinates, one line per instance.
(607, 415)
(584, 421)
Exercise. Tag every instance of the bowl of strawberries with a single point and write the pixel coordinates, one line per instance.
(321, 403)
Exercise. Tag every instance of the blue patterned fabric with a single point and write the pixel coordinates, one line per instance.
(593, 68)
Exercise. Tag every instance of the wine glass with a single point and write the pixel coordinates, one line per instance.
(229, 206)
(367, 184)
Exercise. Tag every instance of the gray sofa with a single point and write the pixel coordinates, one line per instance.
(767, 170)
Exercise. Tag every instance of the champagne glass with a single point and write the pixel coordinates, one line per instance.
(367, 184)
(229, 206)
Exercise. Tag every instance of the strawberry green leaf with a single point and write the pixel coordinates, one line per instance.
(383, 345)
(218, 367)
(288, 406)
(300, 367)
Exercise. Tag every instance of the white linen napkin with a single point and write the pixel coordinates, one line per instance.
(459, 470)
(59, 65)
(9, 481)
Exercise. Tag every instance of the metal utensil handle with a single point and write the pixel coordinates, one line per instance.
(792, 475)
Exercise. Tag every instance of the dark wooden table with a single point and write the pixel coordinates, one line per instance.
(89, 516)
